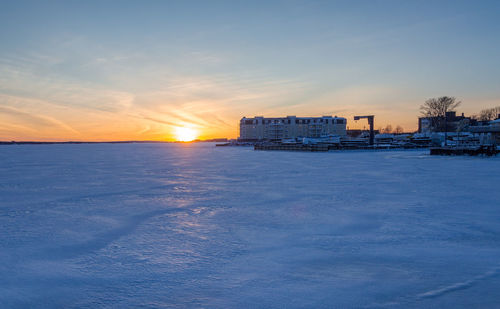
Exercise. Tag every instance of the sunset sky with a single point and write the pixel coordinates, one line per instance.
(139, 70)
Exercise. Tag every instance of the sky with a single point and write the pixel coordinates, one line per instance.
(140, 70)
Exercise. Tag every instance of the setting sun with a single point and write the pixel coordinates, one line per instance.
(183, 134)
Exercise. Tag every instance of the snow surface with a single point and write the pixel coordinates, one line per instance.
(193, 225)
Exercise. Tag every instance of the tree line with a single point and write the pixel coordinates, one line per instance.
(488, 114)
(388, 129)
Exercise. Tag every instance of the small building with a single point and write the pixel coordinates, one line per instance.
(278, 128)
(359, 132)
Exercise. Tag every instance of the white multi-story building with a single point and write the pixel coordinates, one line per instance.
(260, 128)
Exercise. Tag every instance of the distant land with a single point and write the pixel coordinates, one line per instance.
(108, 142)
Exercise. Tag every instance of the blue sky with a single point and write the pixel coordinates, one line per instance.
(100, 70)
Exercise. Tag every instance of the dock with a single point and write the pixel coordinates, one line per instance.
(295, 147)
(460, 151)
(328, 147)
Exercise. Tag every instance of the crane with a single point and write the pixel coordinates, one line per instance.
(370, 122)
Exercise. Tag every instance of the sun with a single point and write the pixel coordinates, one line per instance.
(183, 134)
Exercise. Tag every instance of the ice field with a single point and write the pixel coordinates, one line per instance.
(193, 225)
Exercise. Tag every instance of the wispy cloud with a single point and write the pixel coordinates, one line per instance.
(35, 121)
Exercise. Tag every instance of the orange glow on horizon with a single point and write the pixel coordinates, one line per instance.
(184, 134)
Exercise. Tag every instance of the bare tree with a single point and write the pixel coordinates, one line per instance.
(489, 114)
(437, 108)
(398, 130)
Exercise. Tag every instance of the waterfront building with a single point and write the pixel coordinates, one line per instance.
(489, 133)
(438, 124)
(262, 128)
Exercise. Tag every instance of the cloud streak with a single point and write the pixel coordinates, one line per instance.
(35, 121)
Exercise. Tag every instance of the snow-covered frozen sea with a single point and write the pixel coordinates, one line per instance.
(193, 225)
